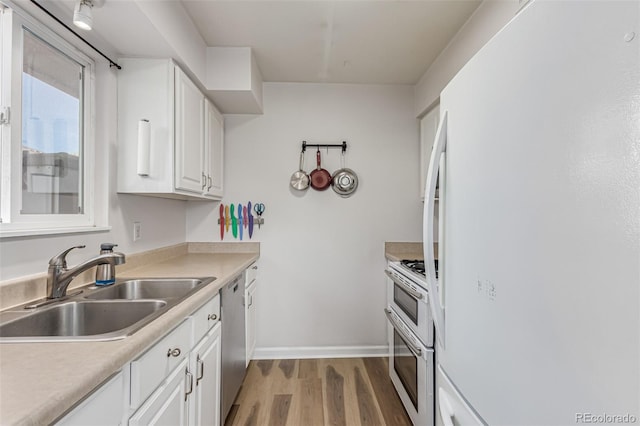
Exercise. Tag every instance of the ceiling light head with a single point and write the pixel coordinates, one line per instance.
(82, 17)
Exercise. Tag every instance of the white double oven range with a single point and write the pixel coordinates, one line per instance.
(410, 333)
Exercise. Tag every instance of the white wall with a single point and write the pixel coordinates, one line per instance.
(322, 256)
(163, 221)
(485, 22)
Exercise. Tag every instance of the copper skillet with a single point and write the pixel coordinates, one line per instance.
(320, 178)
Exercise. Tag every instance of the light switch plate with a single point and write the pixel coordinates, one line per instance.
(137, 231)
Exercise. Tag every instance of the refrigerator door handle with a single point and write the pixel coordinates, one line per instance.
(446, 410)
(435, 286)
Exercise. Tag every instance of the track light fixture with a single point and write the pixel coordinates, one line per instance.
(82, 16)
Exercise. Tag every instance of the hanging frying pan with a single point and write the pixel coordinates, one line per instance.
(300, 178)
(320, 178)
(344, 181)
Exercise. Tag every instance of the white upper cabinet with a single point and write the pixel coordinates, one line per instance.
(180, 134)
(189, 142)
(213, 151)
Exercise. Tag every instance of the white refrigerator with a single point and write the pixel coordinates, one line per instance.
(537, 304)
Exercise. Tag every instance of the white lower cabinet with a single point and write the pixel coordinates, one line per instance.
(151, 369)
(181, 373)
(250, 319)
(165, 406)
(176, 381)
(250, 286)
(104, 407)
(204, 362)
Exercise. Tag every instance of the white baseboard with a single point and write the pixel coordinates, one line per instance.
(321, 352)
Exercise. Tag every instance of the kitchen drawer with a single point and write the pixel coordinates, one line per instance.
(250, 274)
(151, 368)
(205, 318)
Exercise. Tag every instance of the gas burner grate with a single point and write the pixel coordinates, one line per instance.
(417, 266)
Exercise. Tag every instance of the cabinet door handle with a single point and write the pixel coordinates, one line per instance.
(212, 317)
(204, 180)
(174, 352)
(200, 370)
(210, 182)
(190, 378)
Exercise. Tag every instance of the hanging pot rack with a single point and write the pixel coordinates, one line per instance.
(342, 145)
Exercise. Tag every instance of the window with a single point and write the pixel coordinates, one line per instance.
(46, 136)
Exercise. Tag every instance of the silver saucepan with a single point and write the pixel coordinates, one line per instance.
(300, 178)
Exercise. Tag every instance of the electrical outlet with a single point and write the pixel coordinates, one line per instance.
(137, 231)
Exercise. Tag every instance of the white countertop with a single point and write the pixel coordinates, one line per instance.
(40, 381)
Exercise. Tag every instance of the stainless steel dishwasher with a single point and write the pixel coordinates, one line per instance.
(233, 341)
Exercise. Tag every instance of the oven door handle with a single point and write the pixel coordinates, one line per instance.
(417, 351)
(416, 295)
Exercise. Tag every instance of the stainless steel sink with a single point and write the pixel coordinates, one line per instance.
(98, 313)
(108, 319)
(158, 288)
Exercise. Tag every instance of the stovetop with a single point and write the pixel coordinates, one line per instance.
(417, 266)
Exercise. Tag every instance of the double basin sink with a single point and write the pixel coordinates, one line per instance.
(99, 313)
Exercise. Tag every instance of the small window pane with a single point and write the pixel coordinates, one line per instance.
(51, 130)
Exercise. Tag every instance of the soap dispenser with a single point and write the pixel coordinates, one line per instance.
(106, 273)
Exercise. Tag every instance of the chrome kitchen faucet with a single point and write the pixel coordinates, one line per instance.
(59, 277)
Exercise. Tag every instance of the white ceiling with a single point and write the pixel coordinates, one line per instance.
(385, 42)
(344, 41)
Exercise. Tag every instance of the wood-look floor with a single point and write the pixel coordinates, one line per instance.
(318, 392)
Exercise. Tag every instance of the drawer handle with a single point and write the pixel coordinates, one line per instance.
(174, 352)
(212, 317)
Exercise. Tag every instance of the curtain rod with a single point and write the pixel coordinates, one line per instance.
(111, 63)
